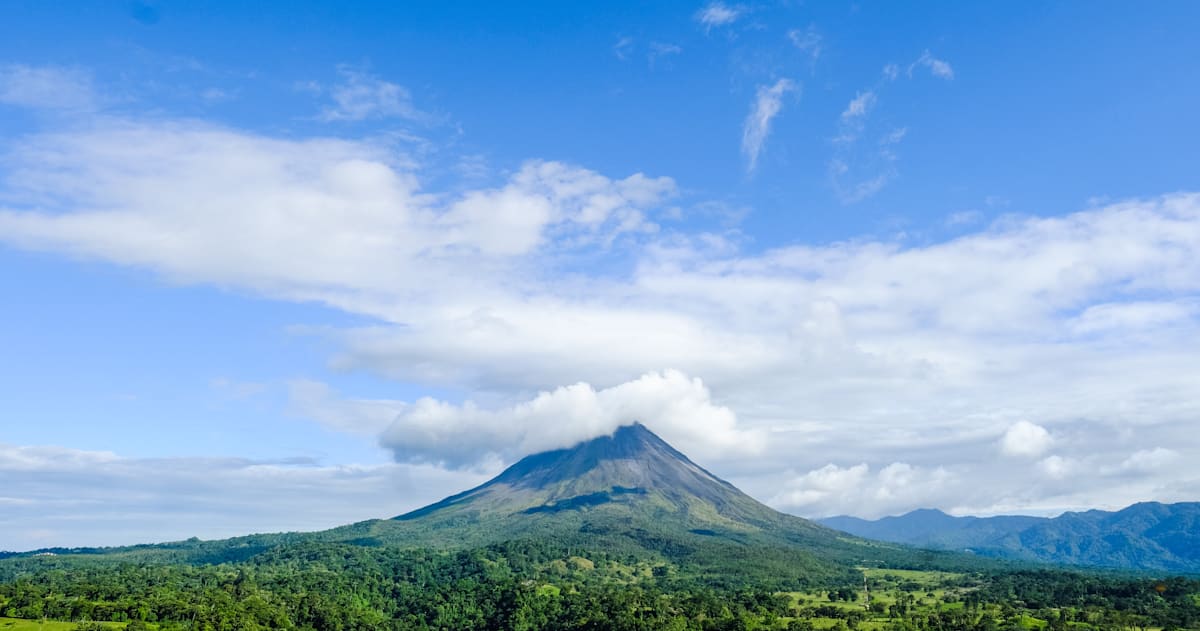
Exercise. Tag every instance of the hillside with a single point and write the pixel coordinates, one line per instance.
(1145, 536)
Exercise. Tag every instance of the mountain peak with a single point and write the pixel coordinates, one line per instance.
(631, 473)
(634, 445)
(629, 488)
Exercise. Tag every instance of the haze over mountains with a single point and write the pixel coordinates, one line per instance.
(629, 493)
(1148, 535)
(633, 494)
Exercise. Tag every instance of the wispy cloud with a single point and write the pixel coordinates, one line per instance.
(847, 181)
(767, 104)
(807, 41)
(661, 50)
(856, 173)
(859, 106)
(317, 401)
(360, 96)
(237, 389)
(623, 48)
(46, 87)
(937, 67)
(717, 14)
(850, 190)
(135, 500)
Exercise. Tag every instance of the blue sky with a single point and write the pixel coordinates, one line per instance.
(856, 257)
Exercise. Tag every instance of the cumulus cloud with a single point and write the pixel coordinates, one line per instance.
(718, 14)
(320, 218)
(874, 349)
(767, 104)
(361, 96)
(1057, 467)
(680, 408)
(1025, 439)
(832, 490)
(46, 87)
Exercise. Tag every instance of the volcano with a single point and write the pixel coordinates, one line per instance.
(634, 494)
(632, 470)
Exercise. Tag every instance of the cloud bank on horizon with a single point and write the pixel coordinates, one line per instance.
(1033, 362)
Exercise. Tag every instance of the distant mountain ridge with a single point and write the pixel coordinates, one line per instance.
(1144, 536)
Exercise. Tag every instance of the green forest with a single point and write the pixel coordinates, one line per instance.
(524, 585)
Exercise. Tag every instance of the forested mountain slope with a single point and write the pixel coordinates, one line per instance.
(1145, 536)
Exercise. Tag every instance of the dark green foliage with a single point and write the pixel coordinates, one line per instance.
(537, 585)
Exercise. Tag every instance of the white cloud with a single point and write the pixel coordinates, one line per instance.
(670, 403)
(767, 104)
(366, 417)
(661, 50)
(936, 67)
(1149, 460)
(964, 218)
(807, 41)
(1025, 439)
(865, 349)
(1057, 467)
(894, 136)
(1131, 316)
(55, 496)
(718, 14)
(850, 184)
(859, 105)
(313, 219)
(832, 490)
(855, 173)
(856, 190)
(46, 87)
(623, 48)
(361, 96)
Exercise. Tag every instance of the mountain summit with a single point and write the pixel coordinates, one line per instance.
(631, 493)
(630, 467)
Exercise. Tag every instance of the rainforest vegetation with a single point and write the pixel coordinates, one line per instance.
(538, 585)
